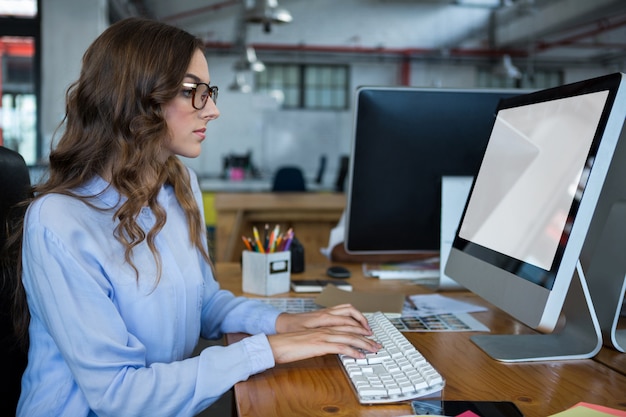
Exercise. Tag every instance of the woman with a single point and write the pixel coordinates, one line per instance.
(116, 273)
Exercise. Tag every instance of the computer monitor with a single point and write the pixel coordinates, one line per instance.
(547, 203)
(404, 140)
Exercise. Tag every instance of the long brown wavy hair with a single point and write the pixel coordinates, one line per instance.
(114, 127)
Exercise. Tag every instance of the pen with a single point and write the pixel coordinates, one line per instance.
(255, 248)
(266, 238)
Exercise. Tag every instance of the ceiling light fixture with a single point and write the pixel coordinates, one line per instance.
(507, 69)
(249, 61)
(240, 84)
(267, 12)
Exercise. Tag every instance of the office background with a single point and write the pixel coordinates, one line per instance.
(425, 43)
(422, 43)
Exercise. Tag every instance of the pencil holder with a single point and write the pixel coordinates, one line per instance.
(266, 274)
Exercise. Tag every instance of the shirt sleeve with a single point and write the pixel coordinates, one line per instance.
(73, 313)
(224, 313)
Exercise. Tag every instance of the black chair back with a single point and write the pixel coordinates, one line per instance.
(289, 178)
(14, 187)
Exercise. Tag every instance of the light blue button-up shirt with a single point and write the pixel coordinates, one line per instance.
(104, 343)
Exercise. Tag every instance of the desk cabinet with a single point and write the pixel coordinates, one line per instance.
(312, 216)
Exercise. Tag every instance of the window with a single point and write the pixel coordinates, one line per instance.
(306, 86)
(22, 8)
(19, 32)
(18, 110)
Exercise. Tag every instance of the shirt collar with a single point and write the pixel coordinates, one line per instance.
(101, 190)
(110, 197)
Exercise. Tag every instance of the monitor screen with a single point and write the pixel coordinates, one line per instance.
(405, 139)
(528, 214)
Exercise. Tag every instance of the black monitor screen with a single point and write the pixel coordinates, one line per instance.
(405, 140)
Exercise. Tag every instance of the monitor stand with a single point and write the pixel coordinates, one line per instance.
(579, 338)
(606, 276)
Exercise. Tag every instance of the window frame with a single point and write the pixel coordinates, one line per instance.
(296, 80)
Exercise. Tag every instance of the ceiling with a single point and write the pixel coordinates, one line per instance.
(560, 31)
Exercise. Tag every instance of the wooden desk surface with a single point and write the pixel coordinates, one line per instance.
(318, 387)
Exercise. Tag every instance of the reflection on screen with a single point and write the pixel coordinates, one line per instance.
(529, 177)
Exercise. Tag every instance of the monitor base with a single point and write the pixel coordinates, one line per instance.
(579, 338)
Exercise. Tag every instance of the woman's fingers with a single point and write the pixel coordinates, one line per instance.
(291, 347)
(341, 315)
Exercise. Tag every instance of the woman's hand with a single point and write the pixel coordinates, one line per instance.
(291, 347)
(338, 330)
(342, 317)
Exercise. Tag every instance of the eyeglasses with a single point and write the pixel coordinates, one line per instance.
(200, 93)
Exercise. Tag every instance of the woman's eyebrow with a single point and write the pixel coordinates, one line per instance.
(193, 77)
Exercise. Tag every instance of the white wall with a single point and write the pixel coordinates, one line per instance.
(67, 29)
(253, 122)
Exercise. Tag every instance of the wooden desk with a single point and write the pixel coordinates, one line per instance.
(318, 387)
(312, 215)
(612, 359)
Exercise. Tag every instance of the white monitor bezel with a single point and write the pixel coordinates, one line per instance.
(532, 304)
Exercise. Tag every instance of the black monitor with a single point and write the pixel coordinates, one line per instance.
(544, 229)
(405, 139)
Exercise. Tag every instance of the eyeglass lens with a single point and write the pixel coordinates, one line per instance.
(202, 94)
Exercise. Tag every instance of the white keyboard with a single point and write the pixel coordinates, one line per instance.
(397, 372)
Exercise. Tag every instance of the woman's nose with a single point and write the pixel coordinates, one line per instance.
(210, 111)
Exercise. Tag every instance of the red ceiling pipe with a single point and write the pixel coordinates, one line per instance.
(405, 71)
(403, 52)
(601, 26)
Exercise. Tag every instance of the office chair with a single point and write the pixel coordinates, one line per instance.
(342, 173)
(320, 171)
(14, 187)
(289, 178)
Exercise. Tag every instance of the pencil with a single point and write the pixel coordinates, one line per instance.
(274, 238)
(288, 239)
(246, 242)
(257, 239)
